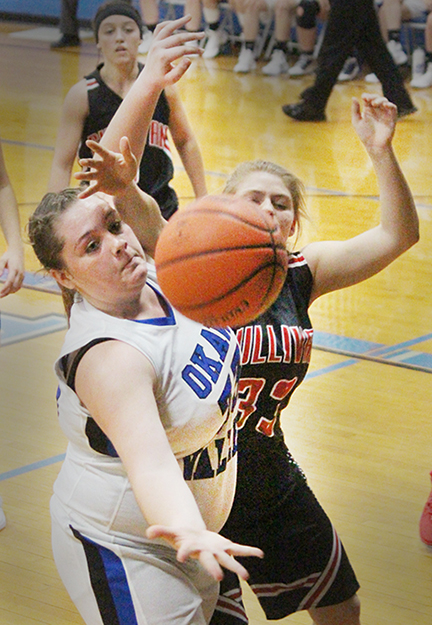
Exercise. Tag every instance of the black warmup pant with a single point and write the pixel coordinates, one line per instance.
(354, 23)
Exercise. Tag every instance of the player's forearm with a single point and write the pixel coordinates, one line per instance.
(165, 498)
(143, 215)
(194, 166)
(399, 217)
(60, 178)
(9, 218)
(133, 117)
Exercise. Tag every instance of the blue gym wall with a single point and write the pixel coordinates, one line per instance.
(48, 10)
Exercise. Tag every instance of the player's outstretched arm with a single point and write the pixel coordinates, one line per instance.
(166, 63)
(338, 264)
(114, 173)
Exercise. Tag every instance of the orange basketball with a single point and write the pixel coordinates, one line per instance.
(221, 261)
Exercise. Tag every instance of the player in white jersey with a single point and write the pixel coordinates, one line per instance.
(305, 566)
(146, 401)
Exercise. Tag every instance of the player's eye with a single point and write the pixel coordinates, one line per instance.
(93, 246)
(116, 227)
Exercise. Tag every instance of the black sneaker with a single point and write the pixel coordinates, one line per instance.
(66, 41)
(404, 112)
(303, 112)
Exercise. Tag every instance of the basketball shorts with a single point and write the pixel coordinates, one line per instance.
(305, 565)
(121, 584)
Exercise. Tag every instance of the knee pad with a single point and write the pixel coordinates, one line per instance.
(307, 11)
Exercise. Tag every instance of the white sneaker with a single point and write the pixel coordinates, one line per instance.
(425, 80)
(146, 42)
(305, 65)
(215, 39)
(277, 64)
(246, 62)
(350, 70)
(418, 63)
(2, 516)
(397, 52)
(371, 78)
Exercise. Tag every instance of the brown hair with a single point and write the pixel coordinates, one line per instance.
(46, 243)
(292, 183)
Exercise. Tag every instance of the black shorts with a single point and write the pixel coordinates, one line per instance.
(305, 565)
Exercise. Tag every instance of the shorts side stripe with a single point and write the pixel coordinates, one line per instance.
(109, 583)
(277, 588)
(230, 603)
(326, 578)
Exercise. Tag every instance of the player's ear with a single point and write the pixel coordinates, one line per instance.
(62, 277)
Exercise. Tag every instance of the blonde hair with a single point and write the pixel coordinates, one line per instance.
(291, 182)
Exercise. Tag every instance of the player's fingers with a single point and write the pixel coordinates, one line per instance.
(97, 147)
(179, 69)
(355, 110)
(245, 551)
(210, 563)
(230, 563)
(170, 26)
(88, 191)
(17, 280)
(86, 175)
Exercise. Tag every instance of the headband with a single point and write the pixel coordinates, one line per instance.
(116, 8)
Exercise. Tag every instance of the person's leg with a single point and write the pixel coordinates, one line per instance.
(150, 12)
(425, 526)
(338, 43)
(249, 20)
(375, 52)
(193, 8)
(278, 64)
(216, 37)
(68, 25)
(150, 15)
(345, 613)
(306, 29)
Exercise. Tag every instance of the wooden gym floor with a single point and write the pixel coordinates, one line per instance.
(360, 425)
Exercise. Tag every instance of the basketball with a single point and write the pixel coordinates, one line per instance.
(221, 261)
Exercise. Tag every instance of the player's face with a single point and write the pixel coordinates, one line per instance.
(119, 38)
(103, 259)
(271, 195)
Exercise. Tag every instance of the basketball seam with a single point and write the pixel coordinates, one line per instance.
(260, 246)
(239, 218)
(236, 287)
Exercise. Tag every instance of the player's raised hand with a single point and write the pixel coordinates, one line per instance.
(13, 261)
(170, 45)
(211, 549)
(376, 123)
(108, 171)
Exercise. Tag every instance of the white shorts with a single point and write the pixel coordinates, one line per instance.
(416, 7)
(130, 585)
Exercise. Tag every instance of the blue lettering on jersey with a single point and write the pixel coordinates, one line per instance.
(199, 466)
(202, 371)
(224, 399)
(197, 381)
(220, 344)
(210, 366)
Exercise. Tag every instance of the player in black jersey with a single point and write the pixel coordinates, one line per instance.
(92, 102)
(305, 566)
